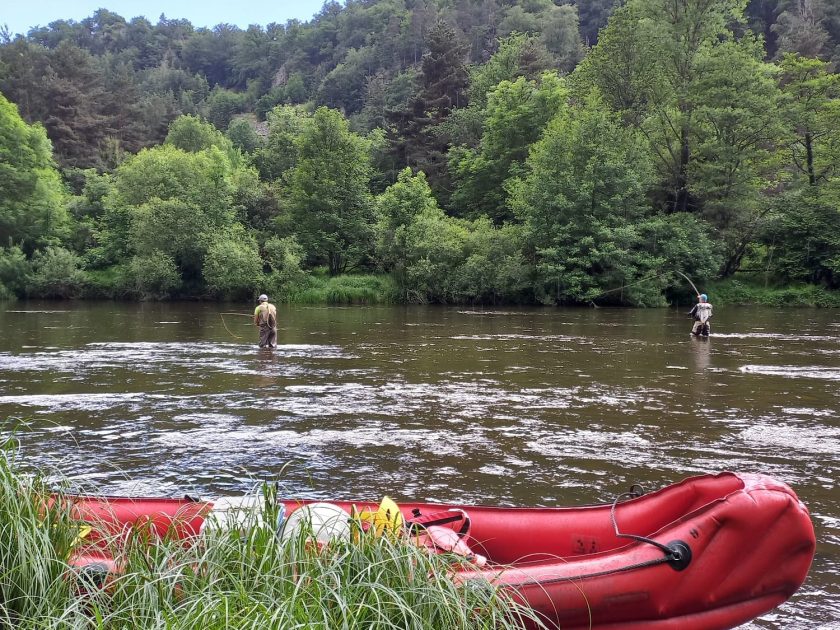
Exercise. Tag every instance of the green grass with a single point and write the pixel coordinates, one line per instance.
(228, 578)
(742, 293)
(346, 289)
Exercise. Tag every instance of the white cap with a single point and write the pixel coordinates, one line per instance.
(263, 298)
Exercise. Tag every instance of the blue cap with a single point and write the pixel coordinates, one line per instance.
(703, 297)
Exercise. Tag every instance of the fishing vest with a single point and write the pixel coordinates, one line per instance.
(267, 314)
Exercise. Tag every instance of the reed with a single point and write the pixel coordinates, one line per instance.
(239, 576)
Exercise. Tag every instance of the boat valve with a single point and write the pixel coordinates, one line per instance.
(679, 556)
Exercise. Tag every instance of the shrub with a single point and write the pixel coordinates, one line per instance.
(56, 273)
(232, 266)
(155, 275)
(13, 270)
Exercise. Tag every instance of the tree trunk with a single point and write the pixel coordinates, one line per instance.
(681, 200)
(809, 158)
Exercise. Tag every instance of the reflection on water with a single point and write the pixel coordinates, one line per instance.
(507, 406)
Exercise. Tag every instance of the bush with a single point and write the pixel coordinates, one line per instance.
(13, 271)
(155, 275)
(112, 282)
(737, 292)
(56, 273)
(232, 267)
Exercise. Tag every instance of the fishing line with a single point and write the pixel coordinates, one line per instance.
(625, 286)
(645, 279)
(222, 315)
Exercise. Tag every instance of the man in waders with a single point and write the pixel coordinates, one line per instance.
(265, 316)
(702, 313)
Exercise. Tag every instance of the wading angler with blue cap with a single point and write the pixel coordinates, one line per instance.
(265, 317)
(701, 313)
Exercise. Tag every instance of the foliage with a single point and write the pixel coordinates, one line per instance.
(328, 193)
(242, 135)
(13, 270)
(728, 112)
(155, 275)
(397, 208)
(233, 576)
(804, 238)
(435, 247)
(751, 293)
(232, 266)
(32, 213)
(515, 116)
(346, 289)
(582, 202)
(56, 273)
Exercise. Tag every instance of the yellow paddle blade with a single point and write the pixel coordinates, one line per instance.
(387, 518)
(83, 532)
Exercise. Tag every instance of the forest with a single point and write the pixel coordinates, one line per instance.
(545, 152)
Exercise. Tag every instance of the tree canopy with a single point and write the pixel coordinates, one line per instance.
(502, 150)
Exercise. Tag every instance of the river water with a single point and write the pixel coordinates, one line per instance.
(502, 406)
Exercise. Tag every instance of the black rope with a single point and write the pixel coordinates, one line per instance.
(673, 555)
(669, 553)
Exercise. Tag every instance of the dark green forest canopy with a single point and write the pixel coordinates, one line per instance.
(706, 137)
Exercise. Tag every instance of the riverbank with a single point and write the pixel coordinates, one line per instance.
(319, 288)
(742, 293)
(230, 577)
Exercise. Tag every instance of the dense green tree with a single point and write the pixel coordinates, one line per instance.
(646, 66)
(243, 136)
(344, 86)
(13, 271)
(210, 52)
(593, 17)
(495, 268)
(23, 68)
(278, 154)
(582, 202)
(742, 149)
(803, 238)
(519, 55)
(75, 121)
(396, 209)
(170, 201)
(222, 105)
(190, 133)
(736, 132)
(435, 248)
(328, 193)
(233, 267)
(155, 275)
(32, 211)
(561, 35)
(442, 87)
(515, 116)
(800, 27)
(284, 257)
(812, 113)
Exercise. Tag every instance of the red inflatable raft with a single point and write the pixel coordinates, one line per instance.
(710, 552)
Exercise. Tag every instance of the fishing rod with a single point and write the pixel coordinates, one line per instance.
(696, 290)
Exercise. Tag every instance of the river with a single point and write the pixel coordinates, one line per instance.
(496, 405)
